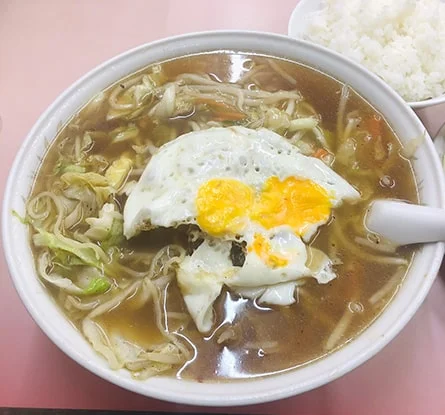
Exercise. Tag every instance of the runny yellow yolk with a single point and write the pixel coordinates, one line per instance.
(225, 206)
(294, 202)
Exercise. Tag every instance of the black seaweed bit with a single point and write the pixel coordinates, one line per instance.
(238, 253)
(192, 246)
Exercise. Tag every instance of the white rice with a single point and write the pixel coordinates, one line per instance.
(402, 41)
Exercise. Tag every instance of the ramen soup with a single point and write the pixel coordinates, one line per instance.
(203, 218)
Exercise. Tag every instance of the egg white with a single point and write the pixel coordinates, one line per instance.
(202, 275)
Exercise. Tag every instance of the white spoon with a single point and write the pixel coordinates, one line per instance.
(404, 223)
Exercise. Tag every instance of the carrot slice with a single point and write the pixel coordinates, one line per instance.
(221, 110)
(213, 103)
(320, 153)
(374, 126)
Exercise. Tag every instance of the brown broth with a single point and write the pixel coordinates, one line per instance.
(268, 339)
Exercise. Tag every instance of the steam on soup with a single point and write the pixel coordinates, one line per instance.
(203, 218)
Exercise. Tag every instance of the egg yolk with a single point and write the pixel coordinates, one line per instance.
(223, 206)
(295, 202)
(261, 246)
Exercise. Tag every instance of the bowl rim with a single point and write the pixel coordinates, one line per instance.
(427, 103)
(192, 392)
(294, 21)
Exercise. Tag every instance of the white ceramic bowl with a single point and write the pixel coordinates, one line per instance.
(62, 333)
(297, 27)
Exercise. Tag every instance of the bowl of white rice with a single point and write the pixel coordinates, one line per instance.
(401, 41)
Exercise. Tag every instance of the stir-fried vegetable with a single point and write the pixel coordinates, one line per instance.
(85, 252)
(97, 286)
(117, 173)
(107, 228)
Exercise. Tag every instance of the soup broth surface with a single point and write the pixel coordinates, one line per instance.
(248, 339)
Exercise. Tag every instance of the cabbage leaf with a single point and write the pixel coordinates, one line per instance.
(107, 228)
(61, 243)
(118, 172)
(97, 286)
(98, 183)
(93, 284)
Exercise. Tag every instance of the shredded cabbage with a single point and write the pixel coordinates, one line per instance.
(98, 183)
(94, 284)
(59, 242)
(144, 90)
(124, 133)
(63, 166)
(166, 106)
(97, 286)
(117, 173)
(107, 228)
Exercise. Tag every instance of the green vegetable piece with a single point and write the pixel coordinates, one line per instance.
(23, 220)
(74, 168)
(118, 172)
(98, 183)
(116, 235)
(65, 259)
(60, 242)
(107, 228)
(124, 133)
(91, 179)
(97, 286)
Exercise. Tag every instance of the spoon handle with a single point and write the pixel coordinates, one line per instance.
(404, 223)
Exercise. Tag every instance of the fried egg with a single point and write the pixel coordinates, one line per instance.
(202, 275)
(248, 187)
(224, 178)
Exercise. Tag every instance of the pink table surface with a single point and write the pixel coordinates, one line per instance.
(46, 45)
